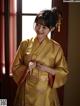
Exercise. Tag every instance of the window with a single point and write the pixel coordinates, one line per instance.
(29, 10)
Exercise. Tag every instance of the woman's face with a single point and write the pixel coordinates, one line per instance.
(41, 30)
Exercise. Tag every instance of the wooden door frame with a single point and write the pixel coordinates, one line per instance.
(62, 36)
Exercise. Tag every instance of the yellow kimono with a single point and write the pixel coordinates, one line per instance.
(35, 90)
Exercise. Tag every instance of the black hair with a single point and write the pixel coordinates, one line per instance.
(48, 18)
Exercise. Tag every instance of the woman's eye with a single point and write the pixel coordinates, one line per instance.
(44, 27)
(38, 25)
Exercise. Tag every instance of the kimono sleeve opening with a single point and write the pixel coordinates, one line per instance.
(18, 68)
(61, 69)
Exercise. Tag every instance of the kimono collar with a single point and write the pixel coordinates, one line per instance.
(46, 40)
(39, 46)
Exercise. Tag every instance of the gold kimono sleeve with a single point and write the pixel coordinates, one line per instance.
(18, 68)
(61, 69)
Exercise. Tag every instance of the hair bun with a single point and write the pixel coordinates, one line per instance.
(57, 12)
(48, 18)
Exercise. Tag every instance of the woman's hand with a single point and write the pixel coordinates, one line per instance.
(41, 67)
(31, 65)
(45, 68)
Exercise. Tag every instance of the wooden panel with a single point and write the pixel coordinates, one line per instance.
(62, 36)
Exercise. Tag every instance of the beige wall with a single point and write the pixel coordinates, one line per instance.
(72, 88)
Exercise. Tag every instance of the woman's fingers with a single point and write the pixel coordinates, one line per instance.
(32, 64)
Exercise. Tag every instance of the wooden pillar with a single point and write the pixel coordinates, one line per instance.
(62, 36)
(19, 22)
(6, 14)
(2, 61)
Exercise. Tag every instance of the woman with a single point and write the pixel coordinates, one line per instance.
(40, 66)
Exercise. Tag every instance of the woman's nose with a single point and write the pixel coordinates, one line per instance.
(41, 28)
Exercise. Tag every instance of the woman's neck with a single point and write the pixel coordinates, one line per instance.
(40, 39)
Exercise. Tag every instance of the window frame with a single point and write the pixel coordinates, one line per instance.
(19, 20)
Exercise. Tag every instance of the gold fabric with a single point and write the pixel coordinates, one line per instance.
(35, 91)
